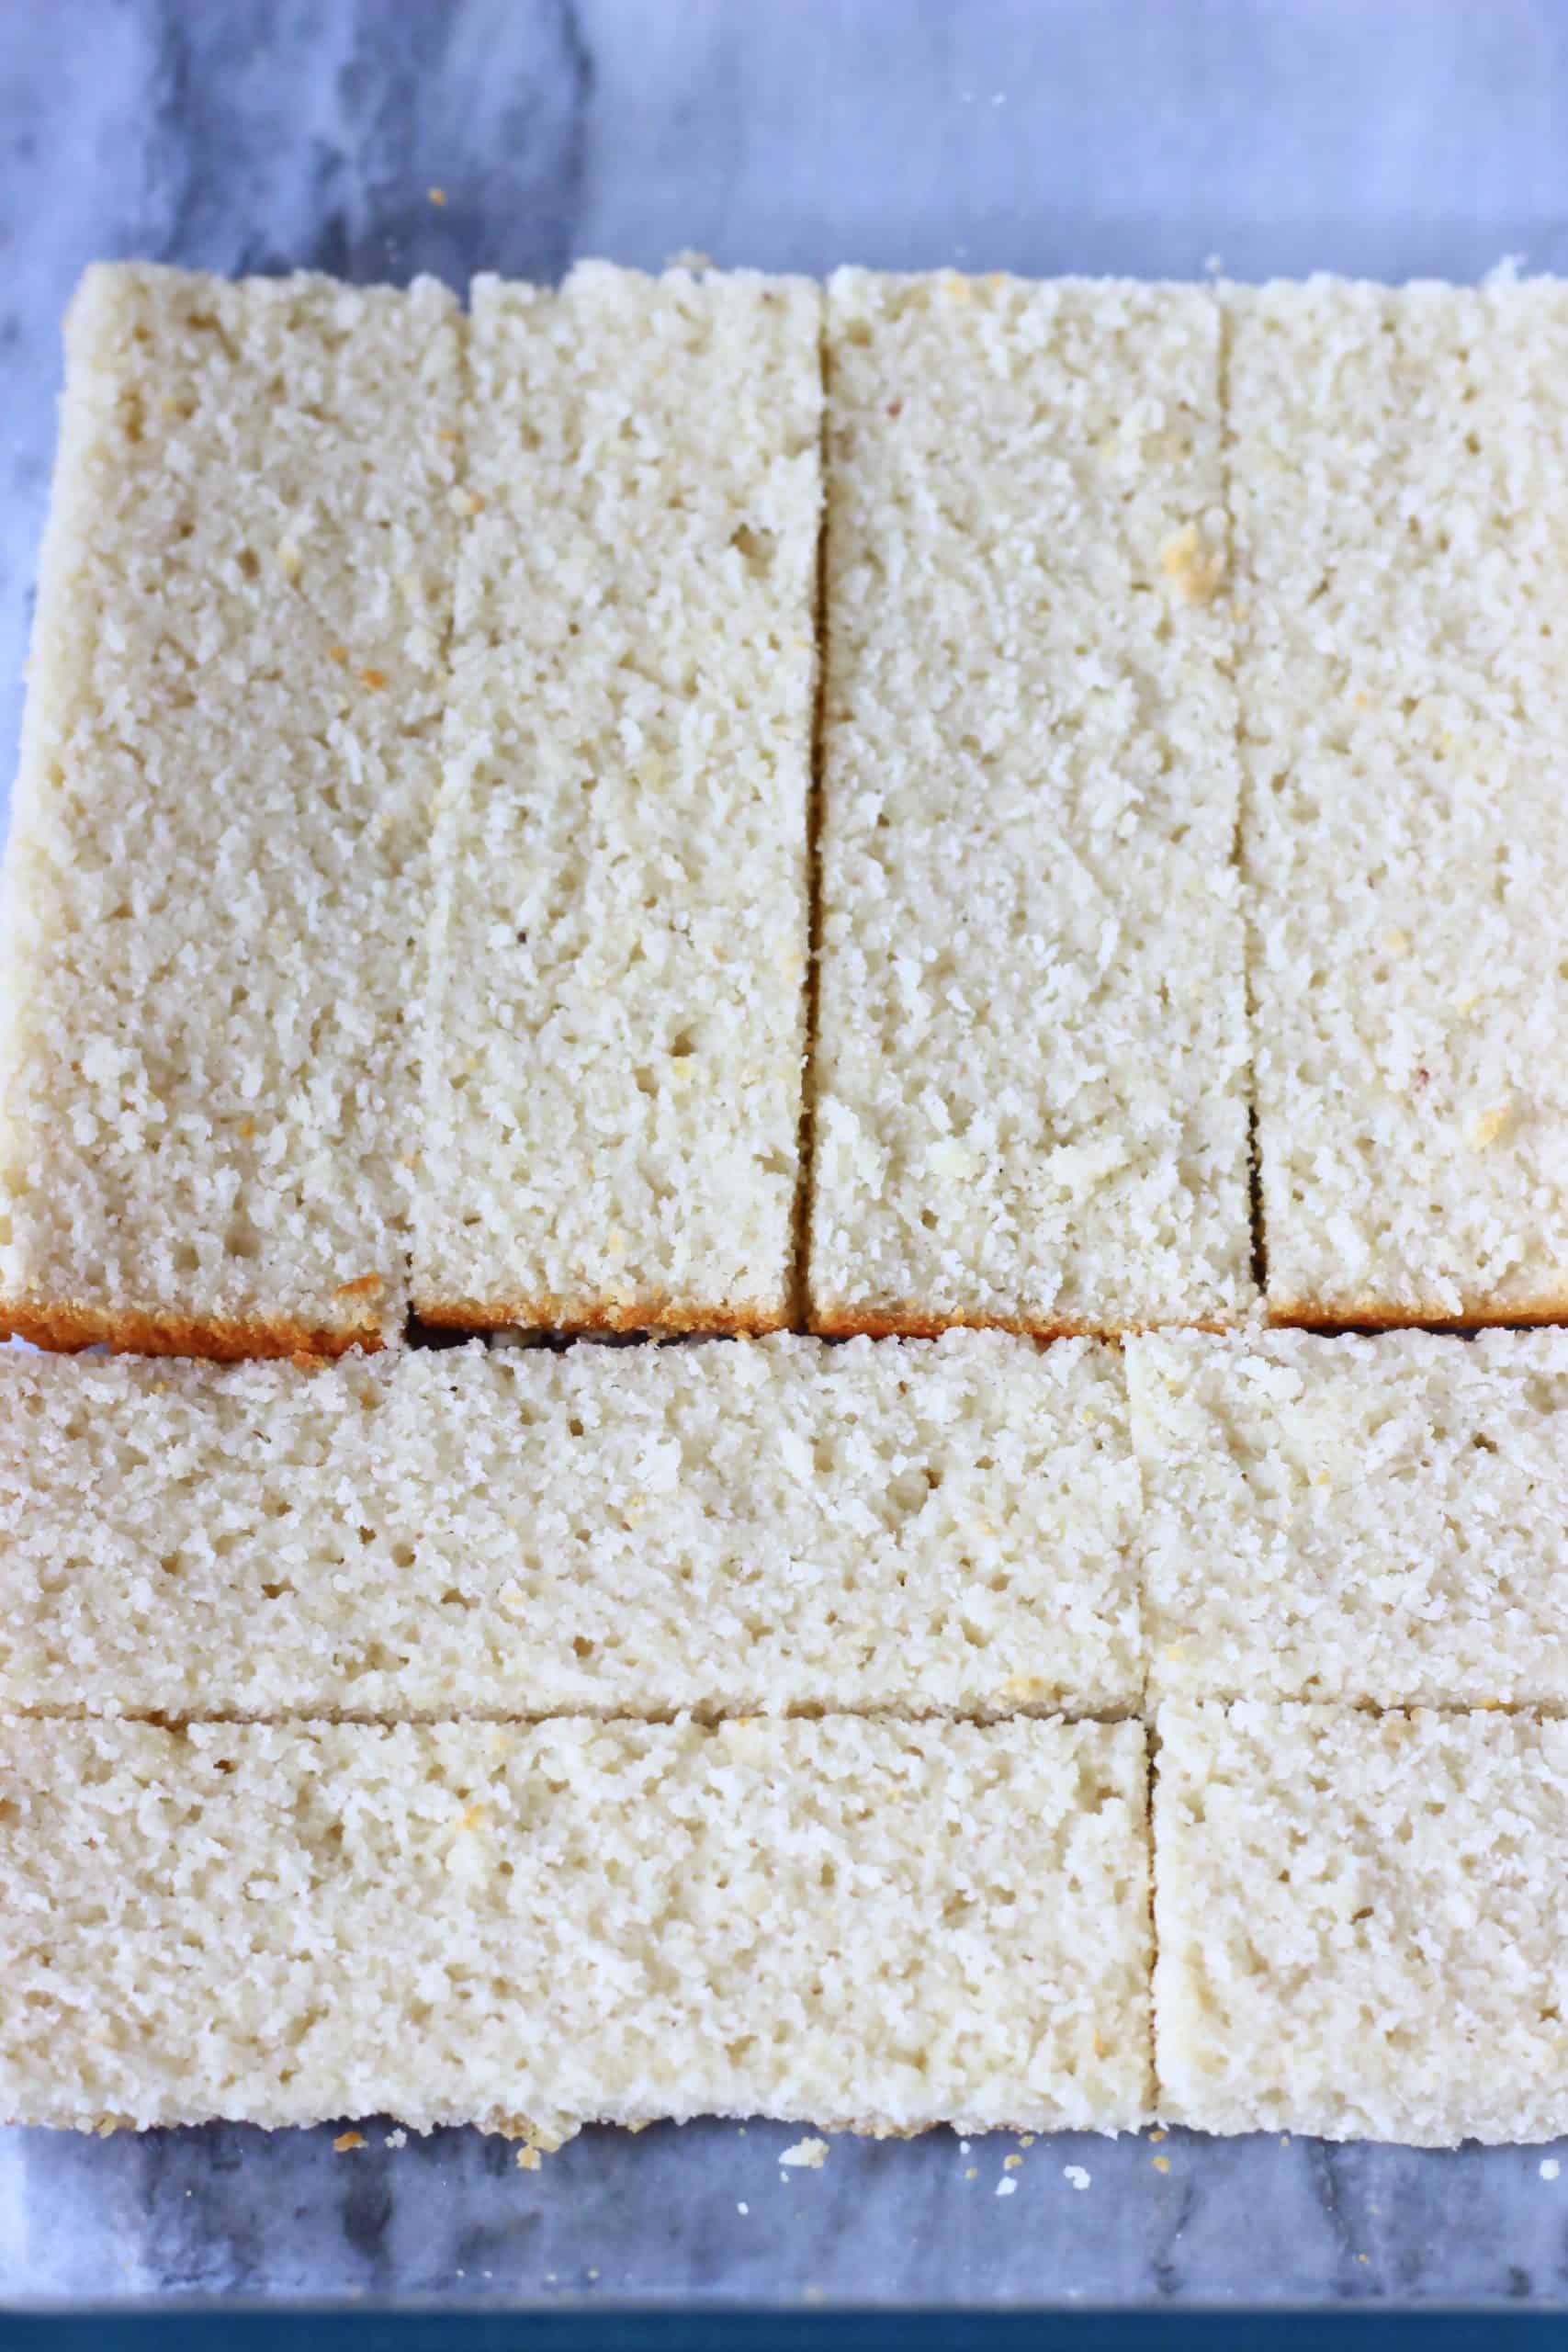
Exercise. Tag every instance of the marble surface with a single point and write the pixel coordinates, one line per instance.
(1417, 136)
(707, 2212)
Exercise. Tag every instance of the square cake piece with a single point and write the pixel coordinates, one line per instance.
(920, 1527)
(1380, 1521)
(617, 1021)
(1031, 1090)
(1359, 1923)
(1402, 520)
(864, 1925)
(215, 882)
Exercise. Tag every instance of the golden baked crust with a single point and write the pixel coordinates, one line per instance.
(63, 1329)
(1376, 1315)
(746, 1319)
(894, 1323)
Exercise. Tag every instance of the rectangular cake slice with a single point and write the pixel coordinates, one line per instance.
(929, 1527)
(863, 1925)
(617, 1021)
(1380, 1521)
(1402, 520)
(1359, 1923)
(1030, 1089)
(215, 881)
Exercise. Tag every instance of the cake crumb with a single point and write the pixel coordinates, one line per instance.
(362, 1286)
(1160, 2164)
(1485, 1130)
(437, 196)
(1006, 2187)
(396, 2139)
(1196, 575)
(347, 2140)
(529, 2159)
(1076, 2175)
(1549, 2168)
(810, 2154)
(742, 2206)
(1012, 2163)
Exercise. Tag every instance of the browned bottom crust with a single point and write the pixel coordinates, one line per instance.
(1377, 1314)
(575, 1318)
(63, 1329)
(865, 1323)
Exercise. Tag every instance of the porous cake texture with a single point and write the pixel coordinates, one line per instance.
(215, 878)
(1031, 1065)
(1400, 515)
(617, 1021)
(751, 1527)
(1359, 1923)
(866, 1924)
(1380, 1521)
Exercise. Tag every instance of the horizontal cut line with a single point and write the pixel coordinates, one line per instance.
(707, 1716)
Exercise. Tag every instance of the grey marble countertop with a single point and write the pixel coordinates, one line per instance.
(1389, 137)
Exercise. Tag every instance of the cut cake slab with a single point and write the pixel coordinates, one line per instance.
(1382, 1520)
(866, 1924)
(1401, 519)
(616, 1024)
(1358, 1922)
(215, 885)
(927, 1527)
(1030, 1091)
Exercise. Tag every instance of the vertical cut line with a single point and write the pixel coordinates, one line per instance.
(1254, 1198)
(1146, 1709)
(1259, 1240)
(1151, 1786)
(416, 1333)
(804, 1191)
(1145, 1701)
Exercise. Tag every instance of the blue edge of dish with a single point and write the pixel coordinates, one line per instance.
(301, 2327)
